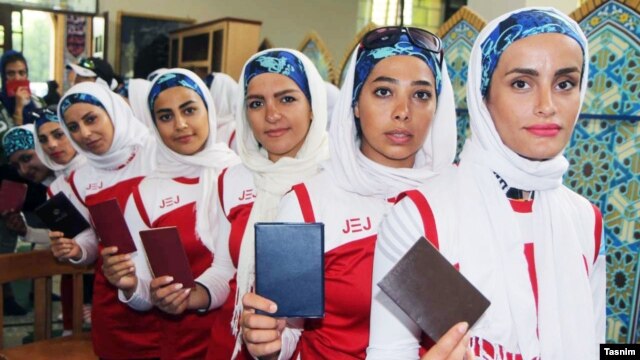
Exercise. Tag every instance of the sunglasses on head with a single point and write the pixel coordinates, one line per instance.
(389, 35)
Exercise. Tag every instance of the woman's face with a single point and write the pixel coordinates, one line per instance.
(534, 96)
(29, 165)
(182, 120)
(55, 143)
(395, 108)
(90, 127)
(279, 114)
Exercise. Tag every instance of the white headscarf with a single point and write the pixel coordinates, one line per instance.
(129, 133)
(273, 180)
(565, 318)
(59, 169)
(356, 173)
(138, 91)
(333, 94)
(205, 164)
(225, 92)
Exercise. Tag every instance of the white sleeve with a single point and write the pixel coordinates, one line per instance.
(88, 243)
(37, 235)
(216, 278)
(393, 335)
(141, 298)
(598, 281)
(86, 240)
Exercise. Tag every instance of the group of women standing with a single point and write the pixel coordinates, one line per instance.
(392, 140)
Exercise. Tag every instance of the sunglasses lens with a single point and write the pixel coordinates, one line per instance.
(425, 40)
(380, 37)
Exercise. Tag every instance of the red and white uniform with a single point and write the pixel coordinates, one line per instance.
(237, 193)
(158, 203)
(350, 226)
(494, 336)
(118, 332)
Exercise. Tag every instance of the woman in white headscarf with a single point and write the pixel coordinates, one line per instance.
(393, 128)
(529, 244)
(225, 93)
(182, 193)
(281, 139)
(120, 152)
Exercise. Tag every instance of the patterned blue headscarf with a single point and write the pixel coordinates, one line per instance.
(278, 62)
(170, 80)
(43, 116)
(18, 138)
(367, 60)
(79, 98)
(519, 26)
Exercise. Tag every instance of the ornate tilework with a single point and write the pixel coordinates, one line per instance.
(604, 152)
(457, 43)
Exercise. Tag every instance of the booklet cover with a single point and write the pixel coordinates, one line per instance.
(111, 226)
(431, 291)
(59, 214)
(12, 195)
(290, 267)
(166, 256)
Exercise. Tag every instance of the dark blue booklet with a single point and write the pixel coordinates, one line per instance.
(59, 214)
(290, 267)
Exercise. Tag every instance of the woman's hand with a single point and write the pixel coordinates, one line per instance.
(261, 333)
(15, 222)
(119, 270)
(170, 298)
(63, 248)
(454, 345)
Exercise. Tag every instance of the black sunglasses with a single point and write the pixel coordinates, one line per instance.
(389, 35)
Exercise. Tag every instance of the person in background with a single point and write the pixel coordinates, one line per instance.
(92, 69)
(14, 107)
(18, 143)
(224, 91)
(53, 95)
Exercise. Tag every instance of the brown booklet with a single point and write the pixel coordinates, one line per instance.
(431, 291)
(166, 256)
(12, 195)
(111, 226)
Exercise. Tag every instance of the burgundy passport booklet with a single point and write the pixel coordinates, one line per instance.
(12, 195)
(111, 226)
(431, 291)
(166, 255)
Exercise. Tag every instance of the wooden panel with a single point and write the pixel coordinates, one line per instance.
(242, 41)
(73, 348)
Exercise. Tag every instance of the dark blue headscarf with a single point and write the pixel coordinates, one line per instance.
(278, 62)
(519, 26)
(79, 98)
(42, 116)
(169, 80)
(367, 60)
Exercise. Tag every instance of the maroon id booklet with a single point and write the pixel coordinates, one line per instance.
(431, 291)
(111, 226)
(166, 256)
(12, 195)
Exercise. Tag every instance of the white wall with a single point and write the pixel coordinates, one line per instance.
(284, 22)
(489, 10)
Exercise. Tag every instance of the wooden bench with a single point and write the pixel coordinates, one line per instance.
(40, 265)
